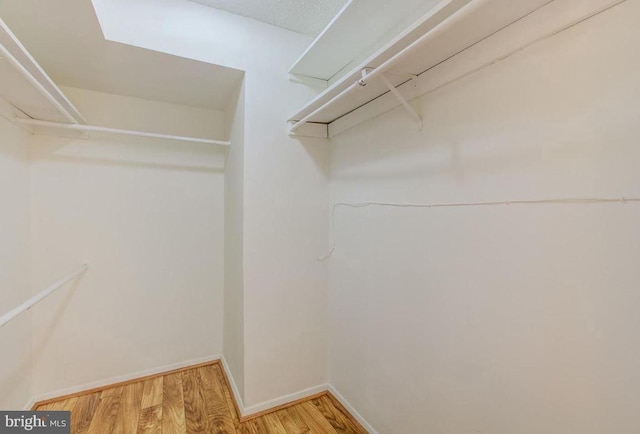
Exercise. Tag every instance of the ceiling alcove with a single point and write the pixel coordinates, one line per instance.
(125, 92)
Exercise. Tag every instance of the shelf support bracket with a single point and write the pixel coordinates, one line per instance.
(412, 112)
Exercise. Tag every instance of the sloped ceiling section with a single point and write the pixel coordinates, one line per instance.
(308, 17)
(65, 37)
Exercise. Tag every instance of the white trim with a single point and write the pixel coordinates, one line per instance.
(126, 377)
(366, 425)
(285, 399)
(266, 405)
(29, 405)
(234, 386)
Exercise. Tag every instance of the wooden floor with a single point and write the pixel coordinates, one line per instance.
(194, 400)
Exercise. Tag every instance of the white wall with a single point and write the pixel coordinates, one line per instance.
(149, 219)
(15, 337)
(285, 185)
(286, 209)
(512, 319)
(118, 111)
(233, 324)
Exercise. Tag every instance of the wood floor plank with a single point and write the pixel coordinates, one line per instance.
(150, 420)
(254, 426)
(338, 421)
(129, 411)
(173, 419)
(339, 407)
(83, 412)
(273, 424)
(112, 391)
(62, 405)
(152, 393)
(195, 411)
(105, 415)
(314, 419)
(292, 421)
(195, 400)
(243, 428)
(220, 416)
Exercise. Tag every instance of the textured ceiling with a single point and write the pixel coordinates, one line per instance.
(303, 16)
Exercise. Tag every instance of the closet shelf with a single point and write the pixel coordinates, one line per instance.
(29, 91)
(56, 128)
(359, 25)
(446, 30)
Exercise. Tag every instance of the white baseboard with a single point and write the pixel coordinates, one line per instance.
(366, 425)
(121, 378)
(285, 399)
(247, 411)
(244, 411)
(29, 405)
(234, 386)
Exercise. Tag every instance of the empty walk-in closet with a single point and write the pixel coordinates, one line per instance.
(335, 216)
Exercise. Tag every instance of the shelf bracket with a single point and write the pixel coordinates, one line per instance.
(412, 112)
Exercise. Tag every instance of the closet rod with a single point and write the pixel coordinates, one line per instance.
(24, 72)
(460, 13)
(41, 296)
(92, 128)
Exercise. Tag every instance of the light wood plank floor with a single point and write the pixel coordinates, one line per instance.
(194, 400)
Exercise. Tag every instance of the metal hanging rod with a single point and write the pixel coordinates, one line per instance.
(42, 81)
(4, 319)
(92, 128)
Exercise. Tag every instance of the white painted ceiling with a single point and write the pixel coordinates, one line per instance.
(64, 36)
(303, 16)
